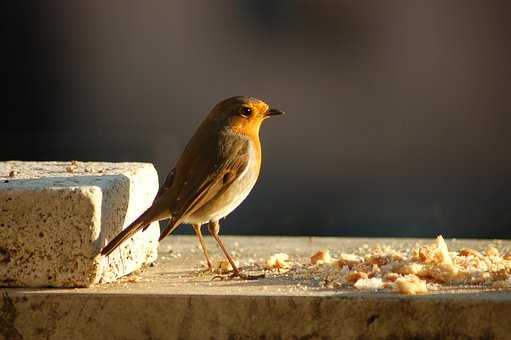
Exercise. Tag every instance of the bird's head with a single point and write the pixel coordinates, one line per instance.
(242, 114)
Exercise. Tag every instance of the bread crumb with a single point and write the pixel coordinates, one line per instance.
(321, 257)
(491, 251)
(225, 266)
(372, 283)
(278, 261)
(434, 253)
(384, 255)
(391, 277)
(410, 285)
(469, 252)
(355, 276)
(442, 253)
(412, 268)
(131, 278)
(349, 260)
(436, 260)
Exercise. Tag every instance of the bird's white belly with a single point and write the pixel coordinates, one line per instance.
(224, 204)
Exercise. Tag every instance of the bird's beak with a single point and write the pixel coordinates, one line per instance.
(274, 112)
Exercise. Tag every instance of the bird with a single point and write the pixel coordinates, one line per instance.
(214, 174)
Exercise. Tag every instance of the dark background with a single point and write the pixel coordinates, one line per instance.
(398, 112)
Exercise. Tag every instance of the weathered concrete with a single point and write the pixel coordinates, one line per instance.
(56, 216)
(173, 300)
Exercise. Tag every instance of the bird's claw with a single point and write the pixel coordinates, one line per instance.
(205, 271)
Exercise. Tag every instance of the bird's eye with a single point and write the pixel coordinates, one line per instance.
(245, 111)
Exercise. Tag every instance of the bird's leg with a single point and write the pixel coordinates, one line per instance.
(214, 229)
(198, 232)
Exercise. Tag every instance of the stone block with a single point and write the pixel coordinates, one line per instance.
(56, 216)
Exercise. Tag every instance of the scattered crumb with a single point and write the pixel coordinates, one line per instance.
(321, 257)
(13, 173)
(391, 277)
(355, 276)
(491, 251)
(349, 260)
(70, 169)
(131, 278)
(412, 271)
(420, 269)
(225, 266)
(278, 261)
(469, 252)
(410, 285)
(372, 283)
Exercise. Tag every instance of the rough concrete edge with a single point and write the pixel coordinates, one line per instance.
(89, 254)
(148, 240)
(150, 316)
(87, 196)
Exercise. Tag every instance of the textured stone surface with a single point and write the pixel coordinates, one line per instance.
(56, 216)
(173, 300)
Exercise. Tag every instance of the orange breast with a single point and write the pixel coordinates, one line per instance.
(250, 129)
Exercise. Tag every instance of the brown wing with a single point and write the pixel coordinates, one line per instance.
(211, 177)
(142, 222)
(209, 164)
(167, 184)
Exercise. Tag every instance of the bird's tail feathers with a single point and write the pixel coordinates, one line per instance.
(140, 223)
(173, 224)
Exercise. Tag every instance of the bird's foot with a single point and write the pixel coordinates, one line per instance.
(238, 275)
(205, 271)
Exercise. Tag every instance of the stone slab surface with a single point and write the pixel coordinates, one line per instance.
(175, 300)
(56, 216)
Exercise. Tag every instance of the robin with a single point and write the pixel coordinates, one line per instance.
(214, 174)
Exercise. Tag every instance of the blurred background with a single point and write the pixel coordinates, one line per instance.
(399, 113)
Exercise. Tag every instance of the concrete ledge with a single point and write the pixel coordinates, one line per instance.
(363, 316)
(56, 216)
(174, 300)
